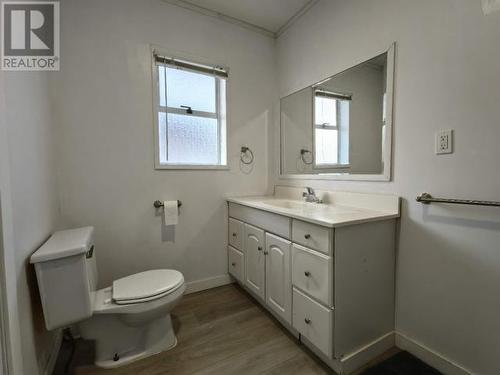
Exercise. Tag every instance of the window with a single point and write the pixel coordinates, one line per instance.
(191, 114)
(331, 129)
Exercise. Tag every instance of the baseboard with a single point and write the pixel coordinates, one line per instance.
(353, 361)
(54, 352)
(429, 356)
(208, 283)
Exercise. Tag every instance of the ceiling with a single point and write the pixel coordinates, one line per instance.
(270, 15)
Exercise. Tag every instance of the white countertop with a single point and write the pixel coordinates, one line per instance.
(325, 214)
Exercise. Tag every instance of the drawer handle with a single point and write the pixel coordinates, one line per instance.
(234, 234)
(233, 264)
(307, 273)
(307, 236)
(259, 248)
(307, 321)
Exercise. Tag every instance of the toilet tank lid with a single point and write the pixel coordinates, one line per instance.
(64, 243)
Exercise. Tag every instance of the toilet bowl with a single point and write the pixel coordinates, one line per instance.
(131, 320)
(128, 321)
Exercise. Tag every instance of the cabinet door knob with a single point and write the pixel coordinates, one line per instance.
(266, 252)
(259, 248)
(307, 320)
(233, 264)
(307, 236)
(307, 273)
(234, 234)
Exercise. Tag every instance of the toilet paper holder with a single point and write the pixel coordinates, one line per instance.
(159, 204)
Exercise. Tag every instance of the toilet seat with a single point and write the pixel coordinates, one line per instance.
(145, 286)
(103, 302)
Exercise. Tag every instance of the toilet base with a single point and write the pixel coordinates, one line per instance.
(118, 344)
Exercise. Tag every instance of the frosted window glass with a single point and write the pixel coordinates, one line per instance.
(326, 146)
(192, 140)
(161, 85)
(222, 114)
(190, 89)
(344, 131)
(162, 135)
(325, 111)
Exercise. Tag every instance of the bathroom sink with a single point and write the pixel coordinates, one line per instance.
(307, 208)
(289, 204)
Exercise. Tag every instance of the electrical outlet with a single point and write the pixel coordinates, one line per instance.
(444, 142)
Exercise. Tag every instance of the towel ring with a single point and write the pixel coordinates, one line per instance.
(244, 152)
(302, 153)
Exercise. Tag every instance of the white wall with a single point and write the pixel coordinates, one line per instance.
(447, 76)
(104, 99)
(29, 211)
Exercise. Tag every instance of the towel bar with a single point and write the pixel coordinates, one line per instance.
(426, 198)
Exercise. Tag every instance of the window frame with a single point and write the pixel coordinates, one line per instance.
(222, 144)
(328, 127)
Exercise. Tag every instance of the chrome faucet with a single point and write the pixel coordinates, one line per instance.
(310, 196)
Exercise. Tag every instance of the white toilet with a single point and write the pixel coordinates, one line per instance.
(129, 320)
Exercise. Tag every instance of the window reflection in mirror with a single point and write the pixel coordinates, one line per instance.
(331, 129)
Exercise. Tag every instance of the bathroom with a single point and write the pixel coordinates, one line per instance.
(83, 145)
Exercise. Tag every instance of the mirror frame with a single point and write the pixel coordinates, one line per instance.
(386, 174)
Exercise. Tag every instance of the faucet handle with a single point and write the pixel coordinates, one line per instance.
(310, 190)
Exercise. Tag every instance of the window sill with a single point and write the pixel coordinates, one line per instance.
(199, 167)
(332, 166)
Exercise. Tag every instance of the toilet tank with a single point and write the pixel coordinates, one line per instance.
(66, 270)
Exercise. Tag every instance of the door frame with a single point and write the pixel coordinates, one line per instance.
(10, 336)
(4, 357)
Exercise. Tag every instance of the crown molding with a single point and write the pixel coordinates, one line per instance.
(295, 17)
(244, 24)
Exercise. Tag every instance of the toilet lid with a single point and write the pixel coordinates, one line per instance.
(146, 284)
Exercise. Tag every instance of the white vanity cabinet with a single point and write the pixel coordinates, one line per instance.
(331, 285)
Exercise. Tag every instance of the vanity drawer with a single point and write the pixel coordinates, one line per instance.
(236, 233)
(312, 272)
(236, 264)
(313, 236)
(270, 222)
(313, 321)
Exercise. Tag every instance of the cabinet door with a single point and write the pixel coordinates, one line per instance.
(255, 260)
(278, 281)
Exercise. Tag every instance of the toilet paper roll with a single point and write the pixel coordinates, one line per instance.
(171, 212)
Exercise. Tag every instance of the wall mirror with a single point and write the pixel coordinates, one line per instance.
(341, 127)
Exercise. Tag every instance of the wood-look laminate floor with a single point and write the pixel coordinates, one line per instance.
(224, 331)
